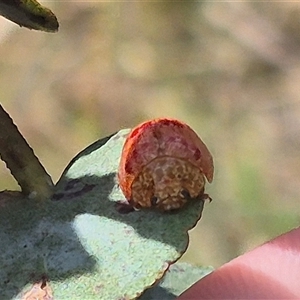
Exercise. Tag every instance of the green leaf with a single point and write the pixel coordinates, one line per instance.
(30, 14)
(79, 240)
(177, 279)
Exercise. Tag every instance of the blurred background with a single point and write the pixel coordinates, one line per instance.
(229, 70)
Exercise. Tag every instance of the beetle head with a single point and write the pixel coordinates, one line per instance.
(167, 183)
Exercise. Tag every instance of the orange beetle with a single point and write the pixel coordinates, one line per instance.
(164, 164)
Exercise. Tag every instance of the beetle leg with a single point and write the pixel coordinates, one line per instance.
(124, 207)
(202, 196)
(206, 197)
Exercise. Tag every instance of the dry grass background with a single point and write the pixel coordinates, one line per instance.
(230, 70)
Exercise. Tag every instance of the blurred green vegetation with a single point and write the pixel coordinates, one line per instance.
(229, 70)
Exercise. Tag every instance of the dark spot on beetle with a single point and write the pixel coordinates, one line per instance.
(25, 246)
(197, 154)
(178, 176)
(185, 194)
(154, 201)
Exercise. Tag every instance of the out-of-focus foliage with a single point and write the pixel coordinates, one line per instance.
(230, 70)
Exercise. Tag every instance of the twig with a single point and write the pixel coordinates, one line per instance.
(20, 159)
